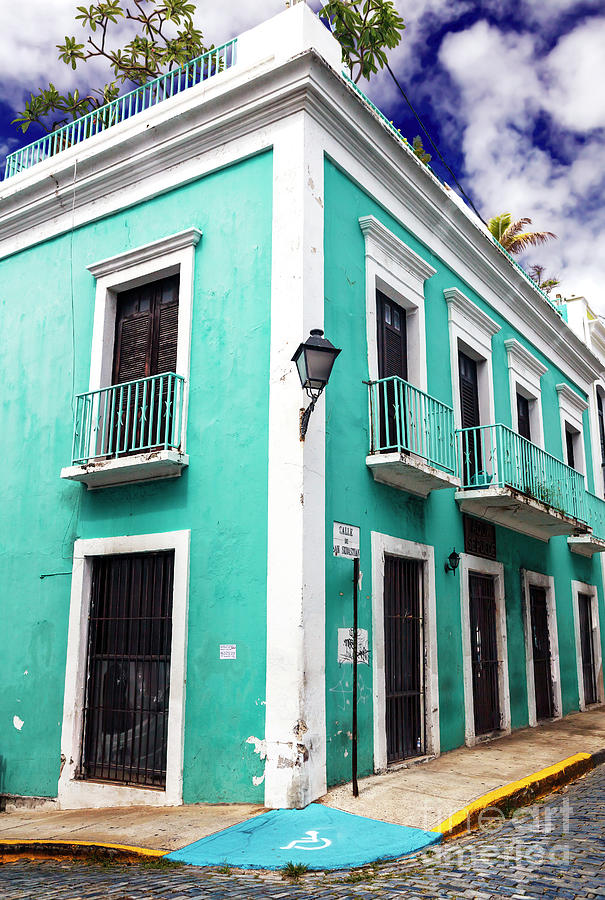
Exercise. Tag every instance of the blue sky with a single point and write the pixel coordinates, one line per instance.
(512, 93)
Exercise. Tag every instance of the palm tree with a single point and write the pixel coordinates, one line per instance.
(511, 236)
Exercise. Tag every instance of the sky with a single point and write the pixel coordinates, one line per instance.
(511, 91)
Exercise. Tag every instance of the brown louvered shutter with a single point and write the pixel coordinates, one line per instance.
(167, 335)
(133, 346)
(469, 393)
(392, 338)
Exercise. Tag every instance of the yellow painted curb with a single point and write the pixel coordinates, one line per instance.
(21, 847)
(524, 790)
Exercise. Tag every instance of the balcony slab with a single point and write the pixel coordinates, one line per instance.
(586, 544)
(507, 507)
(410, 473)
(102, 473)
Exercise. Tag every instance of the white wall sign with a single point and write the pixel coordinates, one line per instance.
(346, 540)
(345, 646)
(228, 651)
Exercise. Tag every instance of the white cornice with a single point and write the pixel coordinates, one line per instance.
(457, 302)
(522, 359)
(171, 244)
(179, 141)
(376, 233)
(569, 398)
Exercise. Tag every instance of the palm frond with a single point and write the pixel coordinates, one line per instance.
(529, 239)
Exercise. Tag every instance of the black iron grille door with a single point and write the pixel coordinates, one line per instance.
(484, 653)
(126, 707)
(586, 644)
(404, 657)
(541, 652)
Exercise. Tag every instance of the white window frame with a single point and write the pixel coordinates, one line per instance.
(393, 546)
(170, 255)
(399, 272)
(580, 587)
(525, 372)
(547, 582)
(468, 564)
(471, 331)
(74, 793)
(571, 407)
(598, 387)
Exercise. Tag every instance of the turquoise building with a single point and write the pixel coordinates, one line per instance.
(176, 626)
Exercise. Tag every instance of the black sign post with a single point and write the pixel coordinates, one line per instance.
(346, 544)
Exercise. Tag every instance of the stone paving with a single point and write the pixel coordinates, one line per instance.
(553, 849)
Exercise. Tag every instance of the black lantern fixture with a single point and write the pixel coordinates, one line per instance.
(453, 561)
(314, 360)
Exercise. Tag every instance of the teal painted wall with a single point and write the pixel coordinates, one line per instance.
(222, 497)
(353, 496)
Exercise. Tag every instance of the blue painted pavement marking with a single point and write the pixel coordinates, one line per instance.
(318, 836)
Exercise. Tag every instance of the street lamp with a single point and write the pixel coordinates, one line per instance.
(314, 360)
(453, 561)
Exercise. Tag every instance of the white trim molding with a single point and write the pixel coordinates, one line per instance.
(525, 372)
(400, 273)
(385, 544)
(580, 587)
(75, 793)
(468, 564)
(547, 582)
(571, 408)
(471, 330)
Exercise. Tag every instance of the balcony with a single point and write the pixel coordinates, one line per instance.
(412, 442)
(129, 432)
(512, 482)
(588, 544)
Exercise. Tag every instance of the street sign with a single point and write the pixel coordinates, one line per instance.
(346, 540)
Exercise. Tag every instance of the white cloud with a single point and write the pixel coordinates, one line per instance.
(504, 87)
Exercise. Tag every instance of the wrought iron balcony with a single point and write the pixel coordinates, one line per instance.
(412, 442)
(142, 98)
(129, 432)
(512, 482)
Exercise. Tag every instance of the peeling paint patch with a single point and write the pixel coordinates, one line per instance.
(18, 723)
(257, 779)
(260, 747)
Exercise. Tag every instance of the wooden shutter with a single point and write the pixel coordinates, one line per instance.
(523, 417)
(469, 392)
(392, 338)
(166, 341)
(132, 348)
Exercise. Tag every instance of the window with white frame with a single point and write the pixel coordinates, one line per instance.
(395, 276)
(571, 407)
(525, 372)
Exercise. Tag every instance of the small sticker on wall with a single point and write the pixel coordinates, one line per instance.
(345, 646)
(228, 651)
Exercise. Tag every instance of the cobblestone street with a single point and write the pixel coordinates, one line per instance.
(552, 849)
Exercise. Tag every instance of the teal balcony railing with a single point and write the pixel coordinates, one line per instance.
(495, 456)
(134, 417)
(595, 507)
(404, 419)
(150, 94)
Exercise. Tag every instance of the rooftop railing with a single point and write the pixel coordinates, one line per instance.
(140, 99)
(133, 417)
(495, 456)
(404, 419)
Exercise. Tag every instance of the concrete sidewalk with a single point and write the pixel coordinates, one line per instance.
(421, 795)
(425, 795)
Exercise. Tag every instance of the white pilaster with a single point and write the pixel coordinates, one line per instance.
(295, 770)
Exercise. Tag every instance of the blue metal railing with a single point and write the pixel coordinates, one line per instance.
(405, 419)
(496, 456)
(140, 99)
(133, 417)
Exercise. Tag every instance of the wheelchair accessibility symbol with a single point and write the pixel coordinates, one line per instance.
(308, 843)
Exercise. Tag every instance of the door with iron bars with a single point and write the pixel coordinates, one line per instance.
(484, 653)
(587, 649)
(392, 360)
(146, 339)
(404, 658)
(541, 653)
(125, 729)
